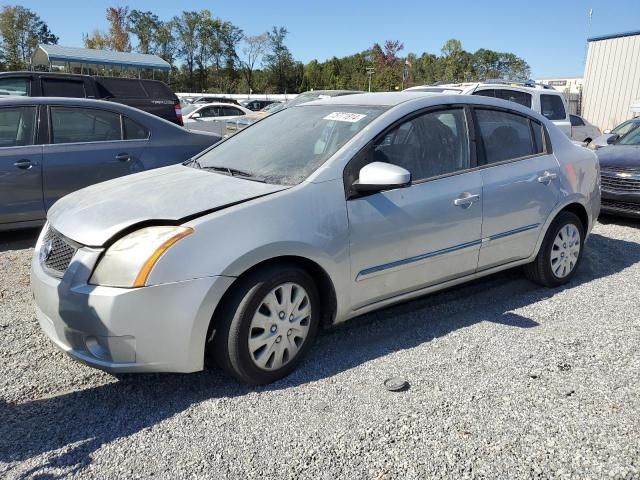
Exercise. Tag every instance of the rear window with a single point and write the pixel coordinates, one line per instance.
(506, 136)
(552, 107)
(58, 87)
(122, 87)
(79, 125)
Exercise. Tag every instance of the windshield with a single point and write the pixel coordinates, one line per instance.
(625, 127)
(631, 138)
(187, 109)
(285, 148)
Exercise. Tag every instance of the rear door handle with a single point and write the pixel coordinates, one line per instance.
(123, 157)
(24, 164)
(547, 177)
(466, 199)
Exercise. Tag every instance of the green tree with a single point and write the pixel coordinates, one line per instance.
(22, 30)
(253, 50)
(145, 26)
(279, 60)
(186, 28)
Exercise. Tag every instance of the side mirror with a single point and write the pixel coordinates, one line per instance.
(378, 176)
(196, 115)
(613, 138)
(607, 131)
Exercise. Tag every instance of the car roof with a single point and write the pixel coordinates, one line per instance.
(383, 99)
(23, 100)
(215, 104)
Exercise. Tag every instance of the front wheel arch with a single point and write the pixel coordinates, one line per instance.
(321, 278)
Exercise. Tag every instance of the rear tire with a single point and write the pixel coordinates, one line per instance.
(560, 253)
(267, 325)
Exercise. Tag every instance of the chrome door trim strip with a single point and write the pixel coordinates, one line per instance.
(514, 231)
(417, 258)
(405, 261)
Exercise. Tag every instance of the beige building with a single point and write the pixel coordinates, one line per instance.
(611, 79)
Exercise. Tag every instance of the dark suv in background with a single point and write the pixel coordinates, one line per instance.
(152, 96)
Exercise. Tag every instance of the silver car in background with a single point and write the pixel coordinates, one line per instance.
(315, 215)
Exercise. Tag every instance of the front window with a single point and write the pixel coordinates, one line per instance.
(285, 148)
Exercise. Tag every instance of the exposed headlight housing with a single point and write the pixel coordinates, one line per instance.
(129, 261)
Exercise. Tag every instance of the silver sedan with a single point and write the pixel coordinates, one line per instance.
(314, 215)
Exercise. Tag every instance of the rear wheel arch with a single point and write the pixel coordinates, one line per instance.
(579, 211)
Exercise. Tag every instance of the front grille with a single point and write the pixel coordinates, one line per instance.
(624, 206)
(620, 184)
(56, 252)
(633, 170)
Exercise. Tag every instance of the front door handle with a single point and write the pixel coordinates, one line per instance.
(123, 157)
(24, 164)
(466, 199)
(547, 177)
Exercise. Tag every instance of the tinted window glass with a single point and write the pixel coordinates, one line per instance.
(133, 130)
(14, 86)
(17, 126)
(552, 107)
(521, 98)
(55, 87)
(576, 121)
(429, 145)
(228, 111)
(504, 135)
(122, 87)
(485, 93)
(156, 89)
(210, 112)
(538, 137)
(73, 125)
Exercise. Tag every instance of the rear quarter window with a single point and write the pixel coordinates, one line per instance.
(122, 87)
(552, 107)
(14, 86)
(156, 89)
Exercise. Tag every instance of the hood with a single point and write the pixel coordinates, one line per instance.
(95, 214)
(619, 156)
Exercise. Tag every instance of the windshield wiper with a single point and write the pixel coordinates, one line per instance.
(234, 172)
(193, 161)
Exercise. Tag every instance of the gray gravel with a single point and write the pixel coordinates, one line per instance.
(507, 380)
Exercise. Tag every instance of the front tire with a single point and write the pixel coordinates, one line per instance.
(267, 325)
(560, 253)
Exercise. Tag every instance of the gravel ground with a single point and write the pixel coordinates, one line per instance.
(508, 380)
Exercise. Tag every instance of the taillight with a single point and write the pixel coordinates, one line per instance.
(178, 108)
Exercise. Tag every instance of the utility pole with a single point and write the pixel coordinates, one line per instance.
(370, 72)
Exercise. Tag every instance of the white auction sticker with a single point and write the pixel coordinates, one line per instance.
(345, 117)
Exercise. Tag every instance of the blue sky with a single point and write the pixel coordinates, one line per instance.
(550, 35)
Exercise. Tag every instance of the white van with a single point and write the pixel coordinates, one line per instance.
(541, 98)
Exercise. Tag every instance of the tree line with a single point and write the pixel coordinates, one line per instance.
(207, 53)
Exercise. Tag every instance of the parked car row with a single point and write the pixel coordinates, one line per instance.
(349, 204)
(151, 96)
(50, 147)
